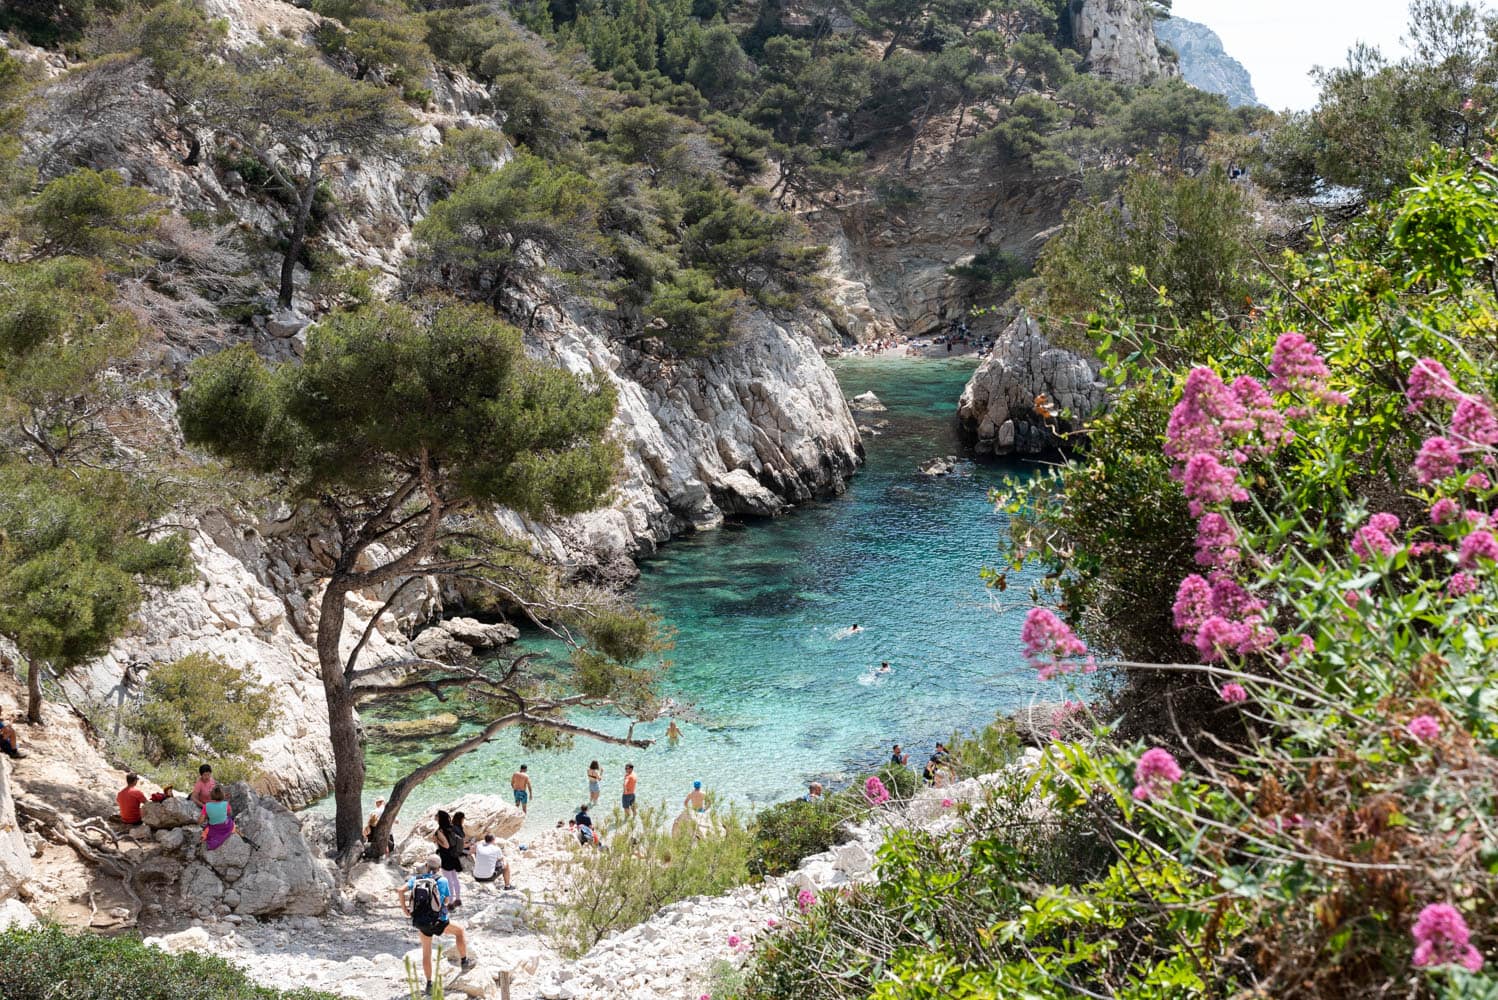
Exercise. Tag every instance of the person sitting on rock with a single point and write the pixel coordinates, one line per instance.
(218, 819)
(129, 800)
(489, 861)
(10, 743)
(427, 908)
(202, 792)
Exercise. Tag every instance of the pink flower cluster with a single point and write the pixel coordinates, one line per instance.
(1216, 541)
(805, 900)
(875, 792)
(1442, 938)
(1297, 369)
(1155, 772)
(1376, 537)
(1218, 616)
(1476, 548)
(1052, 647)
(1429, 382)
(1425, 728)
(1461, 584)
(1233, 693)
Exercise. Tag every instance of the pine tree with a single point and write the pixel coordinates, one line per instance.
(402, 425)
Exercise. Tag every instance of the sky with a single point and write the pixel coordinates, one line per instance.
(1281, 40)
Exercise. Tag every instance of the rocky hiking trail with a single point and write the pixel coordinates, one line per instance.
(269, 903)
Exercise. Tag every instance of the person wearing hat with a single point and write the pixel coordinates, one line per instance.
(696, 799)
(426, 905)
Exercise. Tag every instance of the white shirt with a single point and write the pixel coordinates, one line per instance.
(486, 857)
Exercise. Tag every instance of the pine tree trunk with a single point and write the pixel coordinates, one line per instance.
(343, 728)
(298, 235)
(34, 692)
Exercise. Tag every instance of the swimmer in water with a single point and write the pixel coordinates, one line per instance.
(884, 668)
(855, 629)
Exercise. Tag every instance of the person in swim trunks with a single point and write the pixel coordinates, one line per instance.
(520, 784)
(630, 781)
(696, 799)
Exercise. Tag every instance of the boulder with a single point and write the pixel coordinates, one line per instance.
(1028, 395)
(265, 869)
(193, 939)
(285, 323)
(942, 466)
(482, 814)
(169, 813)
(201, 886)
(480, 635)
(13, 913)
(15, 858)
(738, 492)
(454, 639)
(438, 644)
(852, 859)
(866, 402)
(232, 855)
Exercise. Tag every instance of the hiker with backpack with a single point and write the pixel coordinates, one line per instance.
(427, 908)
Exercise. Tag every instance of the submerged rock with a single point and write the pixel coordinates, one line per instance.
(410, 729)
(867, 402)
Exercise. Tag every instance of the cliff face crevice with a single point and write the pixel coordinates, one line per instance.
(891, 266)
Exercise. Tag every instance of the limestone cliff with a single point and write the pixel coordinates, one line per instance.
(15, 859)
(1117, 40)
(892, 265)
(751, 430)
(1205, 64)
(1028, 394)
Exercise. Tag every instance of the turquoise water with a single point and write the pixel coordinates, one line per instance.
(776, 697)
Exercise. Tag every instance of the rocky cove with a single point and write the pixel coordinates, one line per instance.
(756, 511)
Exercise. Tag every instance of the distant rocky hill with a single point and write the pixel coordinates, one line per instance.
(1205, 64)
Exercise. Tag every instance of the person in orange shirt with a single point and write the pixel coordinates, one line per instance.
(629, 788)
(129, 800)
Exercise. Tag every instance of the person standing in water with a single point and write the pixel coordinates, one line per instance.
(673, 733)
(595, 782)
(520, 784)
(630, 782)
(696, 799)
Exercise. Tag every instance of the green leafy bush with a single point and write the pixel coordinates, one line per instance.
(642, 867)
(50, 962)
(789, 831)
(200, 708)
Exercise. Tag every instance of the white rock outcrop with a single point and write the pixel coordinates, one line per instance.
(265, 868)
(482, 814)
(1028, 394)
(15, 858)
(1117, 39)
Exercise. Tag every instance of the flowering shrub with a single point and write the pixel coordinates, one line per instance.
(1303, 537)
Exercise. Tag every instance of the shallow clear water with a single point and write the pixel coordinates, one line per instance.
(777, 697)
